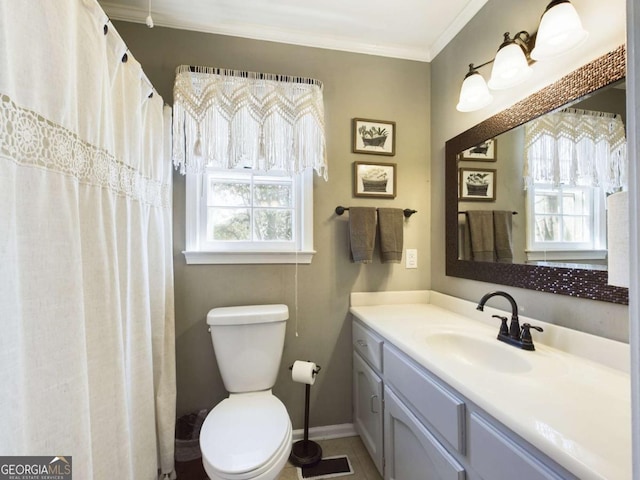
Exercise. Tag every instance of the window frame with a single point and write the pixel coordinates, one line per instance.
(550, 251)
(199, 251)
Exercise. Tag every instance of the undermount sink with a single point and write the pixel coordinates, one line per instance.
(478, 352)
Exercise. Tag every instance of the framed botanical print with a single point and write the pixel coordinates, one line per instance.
(377, 137)
(486, 151)
(477, 184)
(373, 179)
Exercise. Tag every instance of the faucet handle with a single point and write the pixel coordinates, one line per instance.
(525, 337)
(504, 329)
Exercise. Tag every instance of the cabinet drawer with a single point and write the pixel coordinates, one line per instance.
(437, 405)
(368, 345)
(411, 451)
(496, 457)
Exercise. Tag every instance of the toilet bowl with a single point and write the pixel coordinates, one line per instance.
(247, 435)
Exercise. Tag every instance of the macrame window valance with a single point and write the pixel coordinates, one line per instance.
(227, 118)
(576, 147)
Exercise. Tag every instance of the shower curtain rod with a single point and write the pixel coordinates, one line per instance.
(125, 58)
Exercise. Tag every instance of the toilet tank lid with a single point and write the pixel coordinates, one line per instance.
(247, 314)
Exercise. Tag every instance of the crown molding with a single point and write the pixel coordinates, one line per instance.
(270, 34)
(455, 27)
(255, 32)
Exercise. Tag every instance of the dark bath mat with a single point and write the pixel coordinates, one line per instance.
(329, 467)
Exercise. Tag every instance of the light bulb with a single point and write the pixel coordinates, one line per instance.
(149, 19)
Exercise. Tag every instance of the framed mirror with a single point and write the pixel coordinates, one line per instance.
(566, 277)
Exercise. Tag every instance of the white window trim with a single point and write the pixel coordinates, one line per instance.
(556, 255)
(302, 253)
(538, 251)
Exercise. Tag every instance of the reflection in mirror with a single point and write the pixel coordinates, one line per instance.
(554, 173)
(551, 235)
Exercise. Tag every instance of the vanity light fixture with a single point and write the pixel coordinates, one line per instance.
(560, 30)
(474, 93)
(511, 67)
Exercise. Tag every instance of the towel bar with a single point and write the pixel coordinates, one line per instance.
(407, 212)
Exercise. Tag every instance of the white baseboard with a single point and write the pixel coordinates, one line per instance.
(327, 432)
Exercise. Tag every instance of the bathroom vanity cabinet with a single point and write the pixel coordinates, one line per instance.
(367, 391)
(416, 426)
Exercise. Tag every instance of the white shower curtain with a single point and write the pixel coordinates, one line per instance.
(86, 283)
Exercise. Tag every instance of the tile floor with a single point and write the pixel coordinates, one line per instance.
(361, 463)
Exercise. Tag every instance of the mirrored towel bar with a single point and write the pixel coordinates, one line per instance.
(464, 212)
(407, 211)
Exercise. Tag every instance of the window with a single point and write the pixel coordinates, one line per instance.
(565, 223)
(245, 216)
(248, 143)
(573, 158)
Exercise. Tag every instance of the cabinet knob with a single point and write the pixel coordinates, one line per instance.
(361, 343)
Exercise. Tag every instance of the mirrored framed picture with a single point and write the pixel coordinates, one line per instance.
(483, 152)
(477, 184)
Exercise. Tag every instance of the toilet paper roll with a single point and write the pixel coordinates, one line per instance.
(303, 372)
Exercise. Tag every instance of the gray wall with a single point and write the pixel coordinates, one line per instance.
(477, 43)
(354, 86)
(410, 93)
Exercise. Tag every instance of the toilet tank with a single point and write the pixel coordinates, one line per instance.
(248, 343)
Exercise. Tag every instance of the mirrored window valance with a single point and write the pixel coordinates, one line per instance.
(229, 119)
(577, 147)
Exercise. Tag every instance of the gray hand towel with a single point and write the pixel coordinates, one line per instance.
(464, 241)
(362, 233)
(481, 232)
(391, 225)
(503, 236)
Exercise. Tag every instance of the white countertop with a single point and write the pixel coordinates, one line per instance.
(572, 408)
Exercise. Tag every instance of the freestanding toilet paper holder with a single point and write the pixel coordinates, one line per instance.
(306, 453)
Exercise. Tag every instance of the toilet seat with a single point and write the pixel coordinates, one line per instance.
(245, 436)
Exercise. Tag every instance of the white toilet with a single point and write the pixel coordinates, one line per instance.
(247, 435)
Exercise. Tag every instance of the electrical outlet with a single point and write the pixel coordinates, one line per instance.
(412, 258)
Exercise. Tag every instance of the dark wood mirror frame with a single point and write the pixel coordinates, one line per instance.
(575, 282)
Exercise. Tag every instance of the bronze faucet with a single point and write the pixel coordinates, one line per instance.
(513, 334)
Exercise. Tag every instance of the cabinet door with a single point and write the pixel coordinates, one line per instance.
(411, 451)
(496, 457)
(367, 408)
